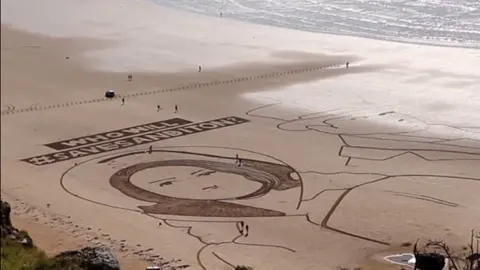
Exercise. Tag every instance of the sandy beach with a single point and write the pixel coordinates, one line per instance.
(327, 166)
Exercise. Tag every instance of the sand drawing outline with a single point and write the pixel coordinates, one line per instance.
(328, 115)
(107, 159)
(424, 198)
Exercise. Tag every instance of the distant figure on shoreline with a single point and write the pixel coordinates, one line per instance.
(158, 108)
(123, 101)
(246, 230)
(150, 149)
(199, 68)
(347, 64)
(130, 77)
(221, 14)
(176, 108)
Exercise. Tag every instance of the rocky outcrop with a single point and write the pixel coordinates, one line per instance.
(8, 231)
(5, 215)
(91, 258)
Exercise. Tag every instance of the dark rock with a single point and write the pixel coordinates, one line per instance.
(5, 214)
(474, 257)
(8, 231)
(428, 260)
(27, 241)
(91, 258)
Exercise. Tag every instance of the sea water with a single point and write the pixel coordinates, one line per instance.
(434, 22)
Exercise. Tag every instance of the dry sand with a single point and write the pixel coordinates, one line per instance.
(334, 189)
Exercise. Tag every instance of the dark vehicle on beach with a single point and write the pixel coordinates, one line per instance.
(110, 94)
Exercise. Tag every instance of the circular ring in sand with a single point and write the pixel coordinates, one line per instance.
(183, 181)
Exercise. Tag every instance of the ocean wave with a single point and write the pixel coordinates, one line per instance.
(433, 22)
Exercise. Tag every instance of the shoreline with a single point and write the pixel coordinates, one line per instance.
(444, 44)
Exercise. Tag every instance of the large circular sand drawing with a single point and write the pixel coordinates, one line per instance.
(186, 181)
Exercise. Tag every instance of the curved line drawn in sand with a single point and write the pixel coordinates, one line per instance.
(326, 127)
(223, 260)
(290, 169)
(424, 198)
(279, 168)
(107, 158)
(126, 171)
(346, 191)
(471, 152)
(269, 175)
(207, 244)
(173, 89)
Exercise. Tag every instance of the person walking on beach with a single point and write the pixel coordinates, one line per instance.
(239, 162)
(240, 226)
(150, 149)
(199, 68)
(236, 159)
(176, 108)
(347, 64)
(123, 101)
(246, 230)
(158, 108)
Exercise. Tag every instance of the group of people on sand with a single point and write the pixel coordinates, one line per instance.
(242, 228)
(159, 108)
(199, 70)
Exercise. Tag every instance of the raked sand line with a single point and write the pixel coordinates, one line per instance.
(11, 110)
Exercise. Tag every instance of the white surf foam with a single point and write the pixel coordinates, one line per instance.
(446, 22)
